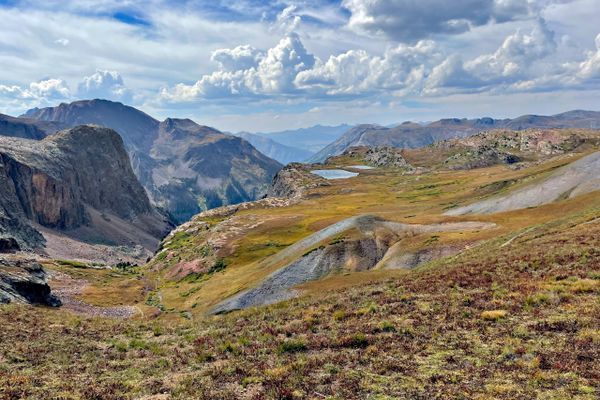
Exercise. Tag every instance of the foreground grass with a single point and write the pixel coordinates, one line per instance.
(519, 321)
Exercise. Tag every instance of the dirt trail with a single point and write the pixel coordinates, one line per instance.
(67, 289)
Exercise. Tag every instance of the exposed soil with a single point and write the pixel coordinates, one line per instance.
(364, 253)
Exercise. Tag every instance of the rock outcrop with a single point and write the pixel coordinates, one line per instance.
(386, 157)
(509, 147)
(185, 167)
(25, 282)
(75, 180)
(294, 181)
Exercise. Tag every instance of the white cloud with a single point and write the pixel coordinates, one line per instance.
(40, 93)
(356, 71)
(246, 71)
(514, 61)
(238, 58)
(104, 85)
(63, 42)
(590, 68)
(48, 89)
(515, 55)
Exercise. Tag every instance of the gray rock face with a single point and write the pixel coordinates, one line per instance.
(25, 283)
(369, 243)
(411, 135)
(387, 157)
(184, 167)
(56, 182)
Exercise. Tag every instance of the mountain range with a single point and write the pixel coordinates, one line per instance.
(414, 135)
(275, 150)
(312, 139)
(184, 167)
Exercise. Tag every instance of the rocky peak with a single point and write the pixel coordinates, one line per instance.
(184, 167)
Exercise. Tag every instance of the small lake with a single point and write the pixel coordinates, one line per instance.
(361, 167)
(334, 173)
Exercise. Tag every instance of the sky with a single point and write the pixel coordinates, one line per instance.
(250, 65)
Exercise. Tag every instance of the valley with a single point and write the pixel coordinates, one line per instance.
(464, 267)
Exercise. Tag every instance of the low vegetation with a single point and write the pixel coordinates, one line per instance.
(494, 322)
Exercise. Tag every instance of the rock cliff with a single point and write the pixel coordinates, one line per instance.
(65, 181)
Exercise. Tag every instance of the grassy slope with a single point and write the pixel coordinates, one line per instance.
(514, 321)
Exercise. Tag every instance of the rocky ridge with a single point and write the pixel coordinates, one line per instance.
(413, 135)
(294, 181)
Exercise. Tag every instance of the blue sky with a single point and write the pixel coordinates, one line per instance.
(271, 65)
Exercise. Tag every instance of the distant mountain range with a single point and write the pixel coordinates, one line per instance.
(413, 135)
(277, 151)
(312, 139)
(184, 167)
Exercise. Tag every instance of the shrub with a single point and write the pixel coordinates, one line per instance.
(358, 340)
(493, 315)
(219, 265)
(291, 346)
(339, 315)
(387, 326)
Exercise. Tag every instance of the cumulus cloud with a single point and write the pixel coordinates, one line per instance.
(515, 54)
(238, 58)
(512, 62)
(409, 20)
(520, 63)
(104, 85)
(356, 71)
(48, 89)
(247, 71)
(41, 93)
(590, 68)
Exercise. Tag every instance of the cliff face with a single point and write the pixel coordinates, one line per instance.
(62, 181)
(197, 167)
(184, 167)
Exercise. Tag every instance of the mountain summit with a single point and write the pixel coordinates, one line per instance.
(184, 167)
